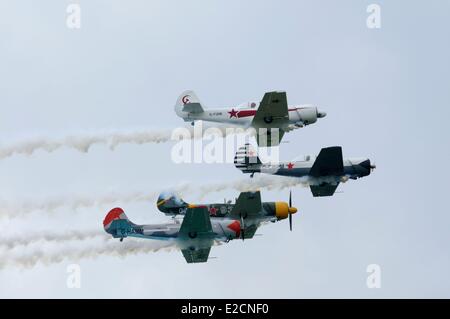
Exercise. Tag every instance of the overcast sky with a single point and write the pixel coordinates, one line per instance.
(386, 92)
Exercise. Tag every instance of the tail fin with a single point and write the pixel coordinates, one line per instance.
(188, 102)
(247, 160)
(117, 223)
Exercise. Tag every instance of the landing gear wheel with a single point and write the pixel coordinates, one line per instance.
(268, 119)
(192, 235)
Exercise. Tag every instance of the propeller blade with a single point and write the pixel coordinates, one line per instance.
(242, 228)
(290, 214)
(290, 198)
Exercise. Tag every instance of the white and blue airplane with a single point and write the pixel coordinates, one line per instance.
(324, 172)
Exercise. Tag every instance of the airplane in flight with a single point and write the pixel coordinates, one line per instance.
(271, 118)
(202, 225)
(324, 172)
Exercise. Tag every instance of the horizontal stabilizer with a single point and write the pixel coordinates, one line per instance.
(193, 108)
(188, 103)
(247, 160)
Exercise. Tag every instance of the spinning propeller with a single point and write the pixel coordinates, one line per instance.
(372, 167)
(292, 210)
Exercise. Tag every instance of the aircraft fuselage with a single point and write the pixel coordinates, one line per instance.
(353, 168)
(223, 230)
(298, 116)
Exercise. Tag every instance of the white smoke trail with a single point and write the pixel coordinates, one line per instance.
(46, 256)
(269, 182)
(83, 142)
(30, 238)
(18, 209)
(28, 258)
(252, 184)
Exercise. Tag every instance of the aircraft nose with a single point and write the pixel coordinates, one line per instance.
(321, 114)
(366, 166)
(292, 210)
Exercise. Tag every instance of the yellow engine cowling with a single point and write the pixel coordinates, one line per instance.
(282, 210)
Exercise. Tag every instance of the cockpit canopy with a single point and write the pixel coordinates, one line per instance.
(305, 158)
(170, 203)
(247, 105)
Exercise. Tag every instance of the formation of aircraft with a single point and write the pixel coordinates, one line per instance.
(195, 228)
(202, 225)
(271, 117)
(324, 172)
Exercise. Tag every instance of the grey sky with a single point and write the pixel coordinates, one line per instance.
(386, 93)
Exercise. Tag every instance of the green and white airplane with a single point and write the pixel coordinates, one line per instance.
(202, 225)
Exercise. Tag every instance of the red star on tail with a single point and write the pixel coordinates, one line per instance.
(233, 113)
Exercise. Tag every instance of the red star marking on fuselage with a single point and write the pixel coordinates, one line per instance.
(233, 113)
(213, 211)
(290, 166)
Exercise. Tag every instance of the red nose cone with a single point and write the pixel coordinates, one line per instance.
(236, 227)
(112, 215)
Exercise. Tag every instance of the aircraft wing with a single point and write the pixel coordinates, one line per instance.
(196, 256)
(328, 162)
(250, 231)
(273, 105)
(247, 205)
(323, 190)
(196, 228)
(196, 222)
(272, 113)
(264, 139)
